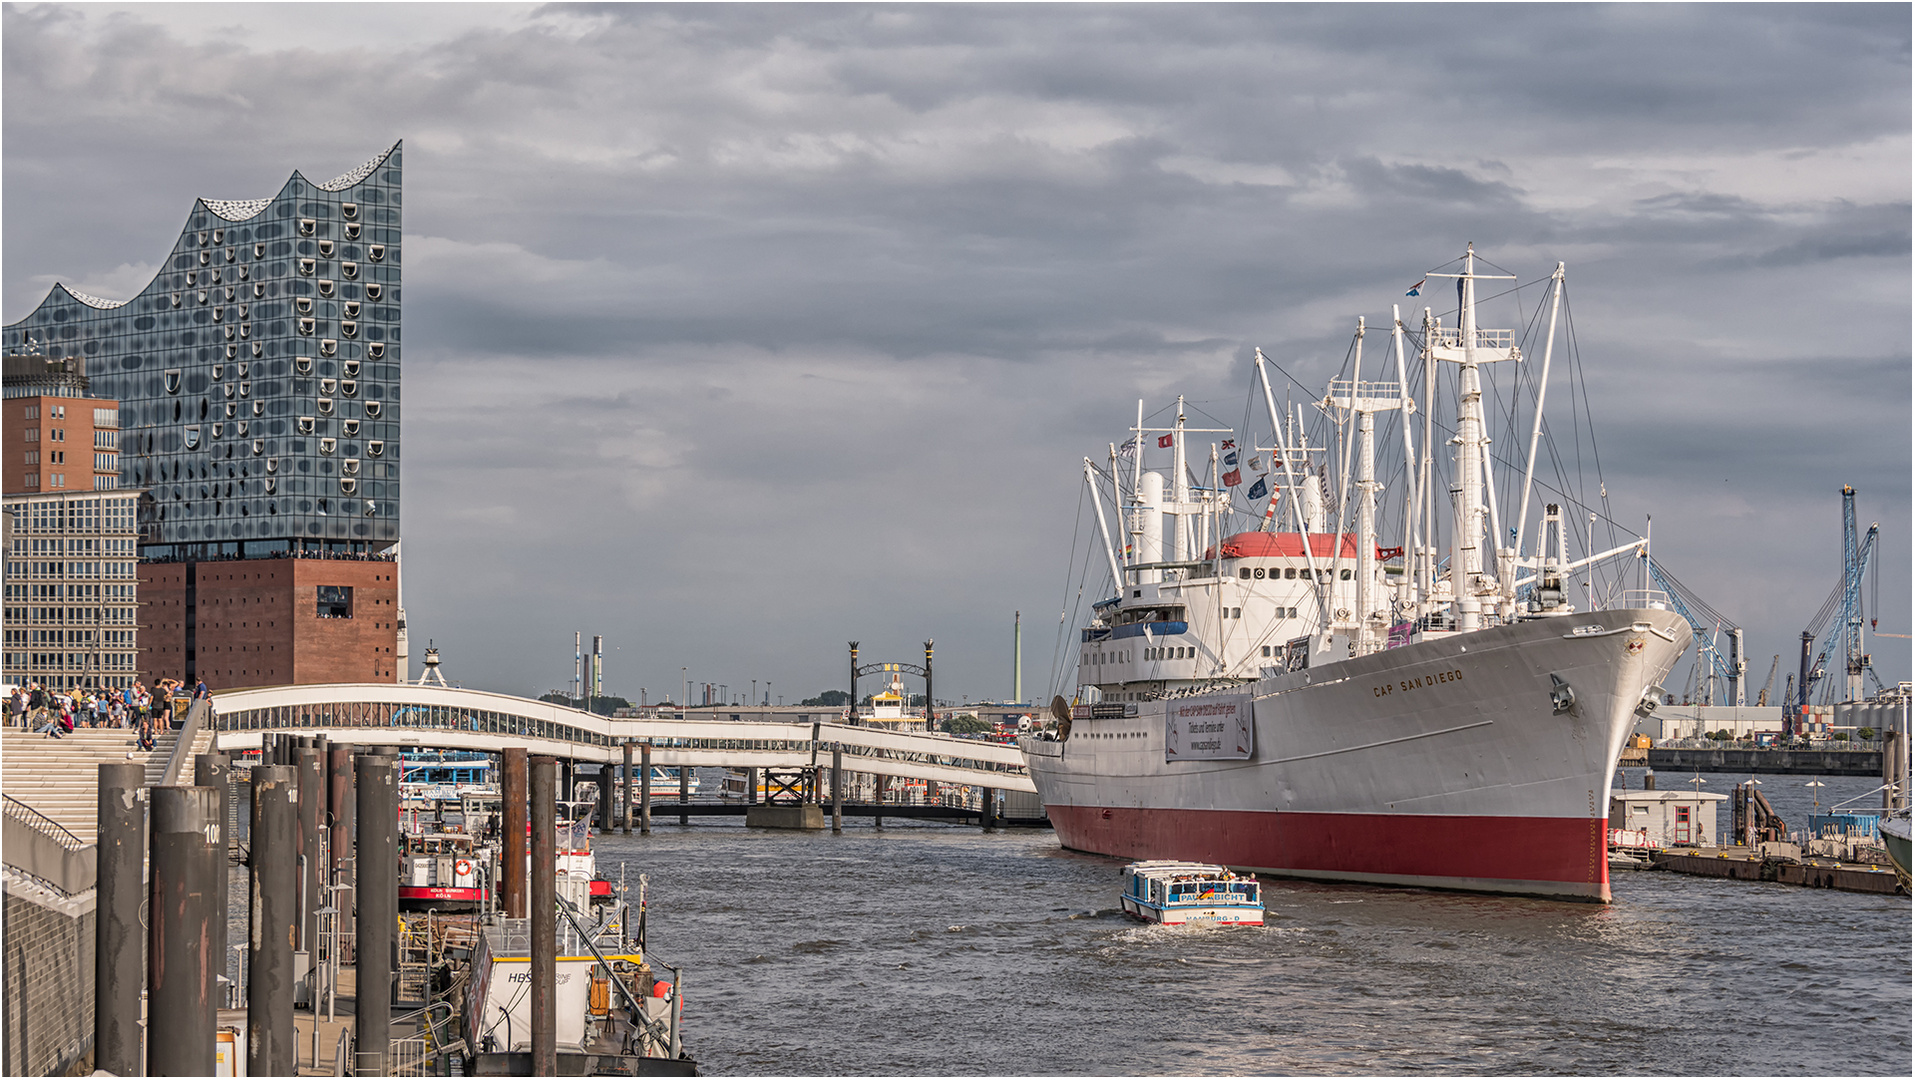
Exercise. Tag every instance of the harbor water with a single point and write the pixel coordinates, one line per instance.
(925, 949)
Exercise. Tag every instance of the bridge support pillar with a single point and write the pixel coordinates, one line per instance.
(684, 793)
(625, 790)
(378, 896)
(751, 786)
(879, 782)
(837, 789)
(339, 794)
(645, 790)
(988, 810)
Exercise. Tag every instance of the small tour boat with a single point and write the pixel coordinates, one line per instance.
(1175, 893)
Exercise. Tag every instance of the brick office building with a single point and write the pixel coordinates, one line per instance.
(258, 380)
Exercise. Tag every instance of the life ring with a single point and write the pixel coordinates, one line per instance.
(462, 867)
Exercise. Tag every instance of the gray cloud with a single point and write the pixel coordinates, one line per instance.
(735, 332)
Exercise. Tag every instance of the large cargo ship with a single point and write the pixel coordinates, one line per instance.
(1430, 714)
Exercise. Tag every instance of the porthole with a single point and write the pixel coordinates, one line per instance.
(1257, 573)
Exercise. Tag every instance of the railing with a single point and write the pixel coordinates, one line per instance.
(407, 1056)
(1452, 337)
(54, 831)
(183, 748)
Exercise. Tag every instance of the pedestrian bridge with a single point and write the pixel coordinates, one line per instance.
(405, 716)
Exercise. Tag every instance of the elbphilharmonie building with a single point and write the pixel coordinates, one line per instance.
(258, 374)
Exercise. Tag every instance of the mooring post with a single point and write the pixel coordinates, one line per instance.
(837, 788)
(751, 786)
(605, 783)
(545, 1052)
(878, 783)
(216, 771)
(512, 782)
(339, 801)
(189, 842)
(270, 1040)
(645, 790)
(378, 894)
(684, 794)
(989, 810)
(120, 890)
(625, 788)
(312, 883)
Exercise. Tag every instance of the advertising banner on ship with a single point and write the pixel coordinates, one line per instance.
(1208, 728)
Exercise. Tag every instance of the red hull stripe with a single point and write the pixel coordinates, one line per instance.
(1535, 855)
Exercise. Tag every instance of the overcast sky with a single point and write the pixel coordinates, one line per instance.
(735, 333)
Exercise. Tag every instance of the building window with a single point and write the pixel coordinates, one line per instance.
(335, 601)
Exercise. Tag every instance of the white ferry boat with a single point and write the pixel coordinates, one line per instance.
(1175, 893)
(1266, 688)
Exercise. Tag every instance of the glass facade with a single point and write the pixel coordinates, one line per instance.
(70, 589)
(258, 374)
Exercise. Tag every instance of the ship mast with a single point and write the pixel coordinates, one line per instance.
(1365, 400)
(1470, 348)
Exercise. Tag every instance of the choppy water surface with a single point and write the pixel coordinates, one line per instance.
(936, 950)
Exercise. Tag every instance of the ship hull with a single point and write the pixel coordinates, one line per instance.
(1441, 764)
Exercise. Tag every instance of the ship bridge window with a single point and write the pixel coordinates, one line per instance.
(1346, 573)
(1244, 573)
(1290, 572)
(1266, 650)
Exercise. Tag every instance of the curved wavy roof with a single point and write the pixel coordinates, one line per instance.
(94, 301)
(241, 210)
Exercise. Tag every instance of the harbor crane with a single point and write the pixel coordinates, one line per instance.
(1705, 623)
(1841, 617)
(1768, 687)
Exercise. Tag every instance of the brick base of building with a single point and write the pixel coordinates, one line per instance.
(49, 980)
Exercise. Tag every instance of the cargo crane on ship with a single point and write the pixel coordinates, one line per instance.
(1841, 616)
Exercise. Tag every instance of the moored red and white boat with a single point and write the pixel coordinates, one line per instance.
(1308, 709)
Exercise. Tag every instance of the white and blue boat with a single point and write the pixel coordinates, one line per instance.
(1176, 893)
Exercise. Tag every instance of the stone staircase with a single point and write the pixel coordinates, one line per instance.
(61, 777)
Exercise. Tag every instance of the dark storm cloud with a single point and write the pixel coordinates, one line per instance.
(735, 331)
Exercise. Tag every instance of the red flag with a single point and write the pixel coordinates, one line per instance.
(1233, 478)
(1166, 441)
